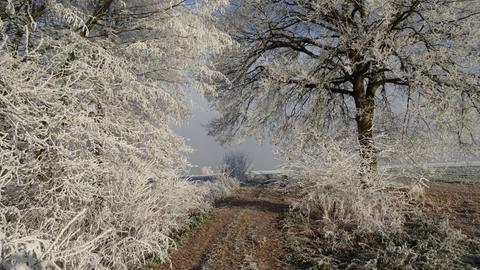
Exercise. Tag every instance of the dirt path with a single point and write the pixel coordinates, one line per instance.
(243, 233)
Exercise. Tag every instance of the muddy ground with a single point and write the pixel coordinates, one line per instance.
(244, 232)
(458, 202)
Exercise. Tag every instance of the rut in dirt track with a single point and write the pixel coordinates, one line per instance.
(243, 233)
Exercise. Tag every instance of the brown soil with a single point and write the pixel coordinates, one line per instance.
(243, 233)
(459, 202)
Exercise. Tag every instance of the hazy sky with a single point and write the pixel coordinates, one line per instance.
(207, 152)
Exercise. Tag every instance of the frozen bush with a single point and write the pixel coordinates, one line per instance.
(347, 218)
(89, 165)
(338, 195)
(421, 244)
(237, 165)
(336, 188)
(126, 221)
(219, 188)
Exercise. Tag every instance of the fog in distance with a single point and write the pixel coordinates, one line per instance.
(209, 153)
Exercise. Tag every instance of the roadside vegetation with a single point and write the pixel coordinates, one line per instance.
(421, 243)
(90, 168)
(335, 223)
(89, 173)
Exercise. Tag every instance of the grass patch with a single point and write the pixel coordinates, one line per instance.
(152, 263)
(422, 244)
(196, 219)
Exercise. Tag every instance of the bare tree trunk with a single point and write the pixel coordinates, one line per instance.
(365, 138)
(365, 105)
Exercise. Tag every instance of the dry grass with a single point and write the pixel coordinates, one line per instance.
(339, 227)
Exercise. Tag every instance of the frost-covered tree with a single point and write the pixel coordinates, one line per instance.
(350, 67)
(88, 162)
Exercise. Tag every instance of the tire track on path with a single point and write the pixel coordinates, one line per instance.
(242, 233)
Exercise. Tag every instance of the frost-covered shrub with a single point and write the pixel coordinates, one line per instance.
(422, 244)
(334, 191)
(237, 165)
(145, 219)
(88, 171)
(219, 188)
(124, 223)
(337, 188)
(346, 218)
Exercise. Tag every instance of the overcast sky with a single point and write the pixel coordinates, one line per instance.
(207, 152)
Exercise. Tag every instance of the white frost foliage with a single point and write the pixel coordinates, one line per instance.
(71, 16)
(328, 179)
(88, 174)
(298, 63)
(343, 195)
(219, 188)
